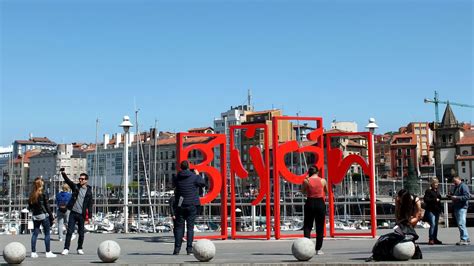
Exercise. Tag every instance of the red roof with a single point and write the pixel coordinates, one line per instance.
(26, 156)
(467, 139)
(355, 144)
(335, 130)
(398, 137)
(464, 157)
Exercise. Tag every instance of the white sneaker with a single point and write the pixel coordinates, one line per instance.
(50, 255)
(80, 252)
(73, 237)
(319, 252)
(34, 255)
(65, 252)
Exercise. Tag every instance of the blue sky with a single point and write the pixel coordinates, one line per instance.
(65, 63)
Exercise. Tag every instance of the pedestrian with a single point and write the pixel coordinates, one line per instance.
(315, 189)
(80, 207)
(407, 209)
(433, 208)
(42, 216)
(460, 197)
(408, 212)
(62, 213)
(186, 184)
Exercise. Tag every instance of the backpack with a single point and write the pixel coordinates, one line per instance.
(62, 202)
(383, 248)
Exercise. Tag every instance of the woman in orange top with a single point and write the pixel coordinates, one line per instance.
(315, 189)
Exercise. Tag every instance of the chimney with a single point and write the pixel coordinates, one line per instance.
(130, 138)
(106, 140)
(118, 139)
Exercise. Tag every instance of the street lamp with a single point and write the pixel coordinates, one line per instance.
(126, 125)
(371, 127)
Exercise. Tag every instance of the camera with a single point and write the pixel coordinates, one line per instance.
(61, 169)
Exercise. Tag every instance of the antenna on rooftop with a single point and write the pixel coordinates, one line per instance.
(249, 99)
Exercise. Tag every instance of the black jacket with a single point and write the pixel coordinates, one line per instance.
(187, 185)
(42, 206)
(87, 205)
(431, 203)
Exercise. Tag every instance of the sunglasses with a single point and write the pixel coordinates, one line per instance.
(82, 179)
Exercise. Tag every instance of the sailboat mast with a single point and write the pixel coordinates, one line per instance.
(155, 135)
(138, 168)
(96, 163)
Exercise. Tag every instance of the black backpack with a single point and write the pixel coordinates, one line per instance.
(383, 248)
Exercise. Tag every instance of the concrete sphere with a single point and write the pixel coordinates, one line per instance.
(404, 250)
(303, 249)
(14, 253)
(204, 250)
(108, 251)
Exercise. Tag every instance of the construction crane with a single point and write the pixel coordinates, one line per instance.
(436, 101)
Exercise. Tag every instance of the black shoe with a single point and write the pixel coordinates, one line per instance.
(437, 242)
(190, 252)
(176, 252)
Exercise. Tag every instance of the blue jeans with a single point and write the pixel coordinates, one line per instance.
(460, 215)
(62, 218)
(74, 218)
(185, 214)
(46, 231)
(433, 219)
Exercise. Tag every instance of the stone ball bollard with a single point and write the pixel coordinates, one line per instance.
(14, 253)
(404, 250)
(108, 251)
(204, 250)
(303, 249)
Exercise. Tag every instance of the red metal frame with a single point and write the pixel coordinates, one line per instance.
(218, 182)
(262, 167)
(279, 166)
(337, 168)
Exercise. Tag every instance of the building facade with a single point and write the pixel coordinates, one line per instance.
(21, 146)
(403, 154)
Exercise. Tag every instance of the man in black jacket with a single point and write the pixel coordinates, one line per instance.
(186, 184)
(80, 206)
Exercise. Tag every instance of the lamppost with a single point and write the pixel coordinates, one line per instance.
(371, 127)
(126, 125)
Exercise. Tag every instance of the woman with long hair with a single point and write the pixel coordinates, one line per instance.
(407, 208)
(42, 216)
(315, 189)
(433, 208)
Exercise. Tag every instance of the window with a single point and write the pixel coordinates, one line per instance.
(463, 163)
(399, 152)
(444, 138)
(464, 170)
(450, 138)
(408, 152)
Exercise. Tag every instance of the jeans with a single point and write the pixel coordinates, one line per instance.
(185, 214)
(62, 218)
(460, 215)
(46, 231)
(314, 211)
(433, 219)
(74, 218)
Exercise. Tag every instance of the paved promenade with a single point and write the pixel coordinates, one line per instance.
(157, 248)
